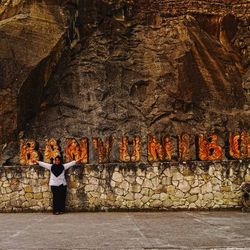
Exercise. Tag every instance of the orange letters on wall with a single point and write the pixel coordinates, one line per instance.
(103, 149)
(51, 150)
(136, 154)
(184, 147)
(245, 145)
(157, 151)
(234, 146)
(131, 149)
(124, 155)
(75, 151)
(167, 145)
(84, 150)
(124, 149)
(28, 153)
(72, 150)
(209, 149)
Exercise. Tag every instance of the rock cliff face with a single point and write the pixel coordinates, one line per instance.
(96, 68)
(33, 37)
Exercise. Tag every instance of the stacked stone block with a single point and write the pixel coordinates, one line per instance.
(157, 186)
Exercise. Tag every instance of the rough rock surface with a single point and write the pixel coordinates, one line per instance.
(139, 66)
(33, 38)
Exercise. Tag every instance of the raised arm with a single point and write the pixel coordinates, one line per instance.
(44, 165)
(69, 164)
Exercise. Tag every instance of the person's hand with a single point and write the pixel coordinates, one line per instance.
(79, 160)
(35, 162)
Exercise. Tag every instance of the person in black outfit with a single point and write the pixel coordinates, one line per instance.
(58, 182)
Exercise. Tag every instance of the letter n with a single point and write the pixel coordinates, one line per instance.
(103, 148)
(72, 150)
(155, 149)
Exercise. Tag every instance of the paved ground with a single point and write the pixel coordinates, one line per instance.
(169, 230)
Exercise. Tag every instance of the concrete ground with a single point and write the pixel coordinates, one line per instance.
(163, 230)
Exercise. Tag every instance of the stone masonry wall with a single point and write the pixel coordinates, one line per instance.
(160, 186)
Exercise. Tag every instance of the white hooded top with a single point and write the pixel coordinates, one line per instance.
(60, 180)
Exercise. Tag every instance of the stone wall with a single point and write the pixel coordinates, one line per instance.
(160, 186)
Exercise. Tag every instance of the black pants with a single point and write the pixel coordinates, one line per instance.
(59, 197)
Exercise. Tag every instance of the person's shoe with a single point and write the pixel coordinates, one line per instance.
(56, 213)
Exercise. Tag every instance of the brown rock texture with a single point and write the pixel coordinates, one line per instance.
(33, 37)
(96, 68)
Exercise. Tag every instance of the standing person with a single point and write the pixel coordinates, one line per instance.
(58, 182)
